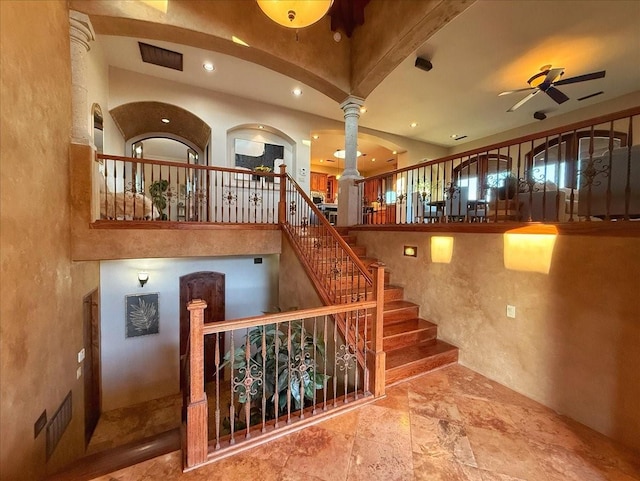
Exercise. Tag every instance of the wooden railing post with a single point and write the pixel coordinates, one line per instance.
(376, 357)
(282, 204)
(197, 413)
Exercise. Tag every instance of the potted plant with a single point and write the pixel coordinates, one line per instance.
(158, 190)
(301, 354)
(263, 169)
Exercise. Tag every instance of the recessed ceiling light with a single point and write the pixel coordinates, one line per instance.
(394, 152)
(297, 92)
(165, 120)
(261, 126)
(321, 160)
(208, 66)
(453, 136)
(413, 125)
(373, 159)
(363, 110)
(315, 137)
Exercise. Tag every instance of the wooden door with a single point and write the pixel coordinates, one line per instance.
(208, 286)
(92, 395)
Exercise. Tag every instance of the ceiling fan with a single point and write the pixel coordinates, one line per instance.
(547, 80)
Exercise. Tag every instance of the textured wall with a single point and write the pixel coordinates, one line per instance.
(296, 289)
(574, 344)
(41, 330)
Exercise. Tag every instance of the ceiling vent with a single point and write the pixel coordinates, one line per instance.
(160, 56)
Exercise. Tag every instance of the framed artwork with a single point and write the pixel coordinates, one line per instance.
(250, 154)
(142, 316)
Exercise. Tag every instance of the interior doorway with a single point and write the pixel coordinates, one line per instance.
(210, 287)
(92, 382)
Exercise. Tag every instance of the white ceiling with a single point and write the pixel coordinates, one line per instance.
(493, 46)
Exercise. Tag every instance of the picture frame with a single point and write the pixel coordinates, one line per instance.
(142, 315)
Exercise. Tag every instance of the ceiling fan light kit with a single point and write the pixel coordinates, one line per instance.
(546, 81)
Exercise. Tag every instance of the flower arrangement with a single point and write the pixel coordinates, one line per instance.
(262, 168)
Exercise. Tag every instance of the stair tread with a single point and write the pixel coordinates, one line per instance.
(399, 358)
(398, 304)
(410, 325)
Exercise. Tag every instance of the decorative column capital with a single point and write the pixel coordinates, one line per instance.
(80, 29)
(351, 106)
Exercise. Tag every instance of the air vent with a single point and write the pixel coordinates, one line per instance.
(589, 96)
(58, 424)
(160, 56)
(460, 137)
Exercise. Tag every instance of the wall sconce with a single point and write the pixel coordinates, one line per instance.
(143, 277)
(441, 249)
(411, 251)
(530, 248)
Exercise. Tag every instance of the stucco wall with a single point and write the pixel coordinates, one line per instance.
(295, 288)
(575, 342)
(41, 327)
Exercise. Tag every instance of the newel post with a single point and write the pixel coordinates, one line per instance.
(282, 204)
(376, 357)
(197, 414)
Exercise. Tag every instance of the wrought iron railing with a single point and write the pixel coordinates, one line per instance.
(578, 173)
(338, 272)
(152, 190)
(281, 371)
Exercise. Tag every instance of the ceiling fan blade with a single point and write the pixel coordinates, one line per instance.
(526, 99)
(581, 78)
(513, 91)
(556, 95)
(553, 74)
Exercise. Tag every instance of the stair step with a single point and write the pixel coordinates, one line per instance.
(349, 239)
(408, 333)
(399, 310)
(418, 359)
(393, 293)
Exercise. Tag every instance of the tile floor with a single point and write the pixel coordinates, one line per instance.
(449, 425)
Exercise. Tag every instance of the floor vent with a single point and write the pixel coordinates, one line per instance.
(160, 56)
(58, 424)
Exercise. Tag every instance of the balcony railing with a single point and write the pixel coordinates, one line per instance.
(579, 173)
(151, 190)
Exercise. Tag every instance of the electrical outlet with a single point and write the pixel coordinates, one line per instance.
(81, 355)
(78, 372)
(511, 311)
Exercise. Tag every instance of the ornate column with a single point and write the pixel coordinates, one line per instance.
(348, 197)
(81, 33)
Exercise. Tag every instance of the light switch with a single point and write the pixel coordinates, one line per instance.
(511, 311)
(81, 355)
(78, 372)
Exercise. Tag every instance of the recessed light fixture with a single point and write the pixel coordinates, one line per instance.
(341, 154)
(315, 137)
(261, 126)
(394, 152)
(208, 66)
(297, 92)
(363, 110)
(165, 120)
(413, 125)
(454, 136)
(321, 160)
(373, 159)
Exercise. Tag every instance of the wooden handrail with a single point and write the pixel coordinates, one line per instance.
(279, 317)
(166, 163)
(518, 140)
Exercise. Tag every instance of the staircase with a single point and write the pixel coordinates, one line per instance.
(410, 342)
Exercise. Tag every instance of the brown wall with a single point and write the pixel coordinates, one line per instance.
(41, 289)
(575, 342)
(295, 287)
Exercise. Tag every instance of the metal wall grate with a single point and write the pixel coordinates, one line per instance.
(58, 424)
